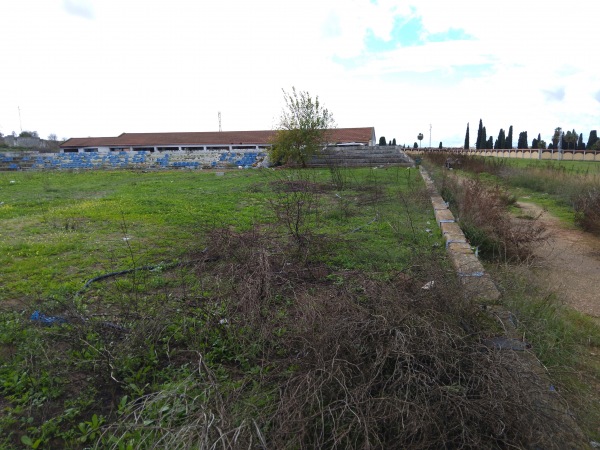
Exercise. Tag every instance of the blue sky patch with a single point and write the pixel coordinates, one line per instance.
(409, 33)
(406, 33)
(453, 34)
(442, 77)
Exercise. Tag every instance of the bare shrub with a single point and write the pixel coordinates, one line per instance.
(587, 210)
(484, 218)
(339, 175)
(374, 369)
(295, 203)
(290, 354)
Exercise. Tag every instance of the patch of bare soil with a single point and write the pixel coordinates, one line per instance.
(569, 263)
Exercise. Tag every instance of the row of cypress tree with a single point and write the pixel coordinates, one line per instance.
(570, 140)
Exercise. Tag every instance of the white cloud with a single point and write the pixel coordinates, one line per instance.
(164, 66)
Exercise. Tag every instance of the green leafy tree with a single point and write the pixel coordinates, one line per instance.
(570, 140)
(303, 129)
(382, 140)
(416, 145)
(28, 134)
(467, 138)
(556, 137)
(541, 144)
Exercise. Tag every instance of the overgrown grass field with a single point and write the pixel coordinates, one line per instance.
(60, 229)
(267, 309)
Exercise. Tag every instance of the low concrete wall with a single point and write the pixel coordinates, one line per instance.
(468, 267)
(178, 159)
(546, 154)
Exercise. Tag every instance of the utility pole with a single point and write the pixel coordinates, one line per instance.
(429, 135)
(20, 124)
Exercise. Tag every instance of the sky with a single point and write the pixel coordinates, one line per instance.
(79, 68)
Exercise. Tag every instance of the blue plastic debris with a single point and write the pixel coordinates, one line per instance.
(47, 320)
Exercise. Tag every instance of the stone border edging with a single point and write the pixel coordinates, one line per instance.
(472, 275)
(468, 267)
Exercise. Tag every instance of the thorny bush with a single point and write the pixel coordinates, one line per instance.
(483, 215)
(328, 359)
(587, 210)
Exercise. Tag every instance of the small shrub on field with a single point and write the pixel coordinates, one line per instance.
(587, 210)
(483, 216)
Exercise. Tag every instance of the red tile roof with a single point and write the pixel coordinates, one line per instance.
(262, 137)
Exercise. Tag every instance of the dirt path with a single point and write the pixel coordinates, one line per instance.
(569, 263)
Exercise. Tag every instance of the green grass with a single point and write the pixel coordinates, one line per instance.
(59, 229)
(259, 280)
(553, 185)
(566, 342)
(577, 167)
(62, 228)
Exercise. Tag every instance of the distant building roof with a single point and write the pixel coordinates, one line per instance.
(260, 137)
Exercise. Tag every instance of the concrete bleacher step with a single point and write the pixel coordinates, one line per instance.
(361, 156)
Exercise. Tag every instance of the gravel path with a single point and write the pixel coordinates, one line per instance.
(569, 263)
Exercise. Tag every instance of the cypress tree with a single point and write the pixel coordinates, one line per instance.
(483, 142)
(382, 140)
(499, 145)
(592, 139)
(580, 144)
(490, 143)
(522, 140)
(539, 144)
(479, 142)
(440, 147)
(394, 142)
(508, 140)
(467, 138)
